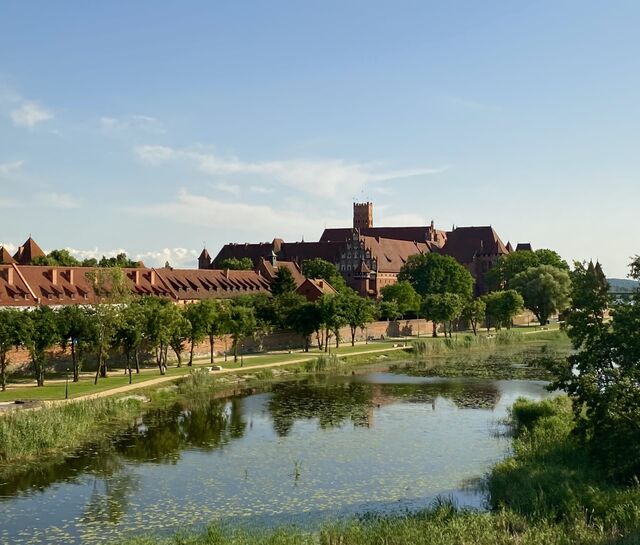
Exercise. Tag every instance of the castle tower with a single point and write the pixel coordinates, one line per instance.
(362, 215)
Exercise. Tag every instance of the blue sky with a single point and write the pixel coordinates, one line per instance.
(155, 126)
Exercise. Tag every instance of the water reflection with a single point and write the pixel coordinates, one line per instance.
(296, 452)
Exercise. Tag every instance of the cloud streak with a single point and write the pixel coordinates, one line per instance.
(8, 168)
(321, 177)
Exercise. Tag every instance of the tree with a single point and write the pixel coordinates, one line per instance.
(474, 312)
(442, 308)
(40, 334)
(198, 316)
(283, 282)
(241, 324)
(389, 310)
(11, 329)
(157, 325)
(431, 274)
(77, 331)
(510, 265)
(120, 260)
(179, 330)
(235, 264)
(305, 320)
(61, 258)
(603, 374)
(216, 315)
(589, 302)
(357, 312)
(318, 268)
(404, 295)
(501, 307)
(545, 289)
(331, 317)
(111, 290)
(129, 334)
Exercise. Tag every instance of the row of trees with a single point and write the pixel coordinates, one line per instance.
(438, 288)
(64, 258)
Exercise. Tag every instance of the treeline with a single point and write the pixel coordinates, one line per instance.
(439, 289)
(63, 258)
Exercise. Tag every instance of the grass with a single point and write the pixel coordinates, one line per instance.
(29, 437)
(547, 493)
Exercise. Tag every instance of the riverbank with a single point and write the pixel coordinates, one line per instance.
(546, 493)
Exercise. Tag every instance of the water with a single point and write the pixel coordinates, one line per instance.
(300, 453)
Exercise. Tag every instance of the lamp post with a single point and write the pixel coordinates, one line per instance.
(66, 385)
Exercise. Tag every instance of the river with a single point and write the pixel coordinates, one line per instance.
(299, 452)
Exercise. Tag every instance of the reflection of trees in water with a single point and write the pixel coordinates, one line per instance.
(464, 395)
(164, 434)
(159, 437)
(110, 498)
(331, 403)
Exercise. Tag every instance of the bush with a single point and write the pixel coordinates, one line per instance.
(526, 413)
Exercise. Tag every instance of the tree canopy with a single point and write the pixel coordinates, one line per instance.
(510, 265)
(321, 268)
(545, 290)
(433, 273)
(237, 264)
(404, 295)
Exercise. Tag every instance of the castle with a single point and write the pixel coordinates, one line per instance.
(371, 257)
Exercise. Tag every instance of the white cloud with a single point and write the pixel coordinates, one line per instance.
(10, 247)
(29, 114)
(8, 168)
(261, 189)
(132, 122)
(58, 200)
(228, 188)
(261, 222)
(321, 177)
(177, 257)
(9, 203)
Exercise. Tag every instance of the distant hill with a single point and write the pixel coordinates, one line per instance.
(622, 284)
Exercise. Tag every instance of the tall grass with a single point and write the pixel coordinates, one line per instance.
(29, 435)
(323, 364)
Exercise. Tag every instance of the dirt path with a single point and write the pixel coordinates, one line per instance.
(161, 380)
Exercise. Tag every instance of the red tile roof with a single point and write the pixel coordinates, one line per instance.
(5, 257)
(464, 243)
(28, 252)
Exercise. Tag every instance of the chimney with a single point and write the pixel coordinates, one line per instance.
(136, 277)
(54, 276)
(152, 277)
(226, 273)
(71, 276)
(9, 275)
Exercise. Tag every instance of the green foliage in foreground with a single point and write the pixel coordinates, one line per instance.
(546, 494)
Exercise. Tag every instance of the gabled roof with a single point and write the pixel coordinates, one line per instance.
(193, 284)
(28, 252)
(464, 243)
(285, 251)
(524, 247)
(204, 254)
(13, 289)
(5, 257)
(418, 234)
(270, 272)
(314, 288)
(390, 254)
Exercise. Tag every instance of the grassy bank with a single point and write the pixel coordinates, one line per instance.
(547, 493)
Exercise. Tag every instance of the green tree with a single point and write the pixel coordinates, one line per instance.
(179, 331)
(404, 295)
(305, 320)
(198, 315)
(589, 302)
(120, 260)
(318, 268)
(11, 334)
(241, 323)
(474, 312)
(389, 310)
(111, 291)
(431, 274)
(357, 312)
(283, 282)
(501, 307)
(603, 374)
(235, 264)
(442, 308)
(217, 317)
(129, 334)
(545, 290)
(62, 258)
(40, 334)
(77, 332)
(510, 265)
